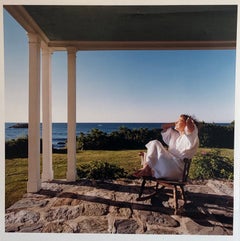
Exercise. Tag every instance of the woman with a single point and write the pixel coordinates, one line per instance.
(182, 140)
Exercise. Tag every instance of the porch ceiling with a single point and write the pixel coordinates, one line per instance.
(131, 27)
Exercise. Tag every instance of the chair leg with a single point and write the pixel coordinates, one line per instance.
(175, 199)
(142, 188)
(183, 194)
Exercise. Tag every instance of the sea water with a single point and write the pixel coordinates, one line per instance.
(59, 130)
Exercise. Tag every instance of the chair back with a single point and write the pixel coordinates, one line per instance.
(187, 163)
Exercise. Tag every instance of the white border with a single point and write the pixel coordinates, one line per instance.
(121, 2)
(2, 126)
(236, 223)
(37, 236)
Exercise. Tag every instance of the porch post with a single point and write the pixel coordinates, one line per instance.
(71, 141)
(47, 171)
(34, 181)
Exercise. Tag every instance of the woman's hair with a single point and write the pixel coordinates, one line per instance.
(185, 116)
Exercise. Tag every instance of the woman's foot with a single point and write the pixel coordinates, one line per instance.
(137, 173)
(144, 172)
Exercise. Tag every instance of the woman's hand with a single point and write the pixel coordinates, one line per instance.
(190, 124)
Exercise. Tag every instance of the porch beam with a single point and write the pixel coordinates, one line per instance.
(142, 45)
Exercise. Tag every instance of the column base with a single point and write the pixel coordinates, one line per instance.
(34, 186)
(71, 176)
(47, 176)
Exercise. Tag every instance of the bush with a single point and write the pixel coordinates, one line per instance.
(16, 148)
(123, 139)
(100, 170)
(216, 136)
(210, 165)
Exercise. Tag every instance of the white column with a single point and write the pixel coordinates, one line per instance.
(47, 171)
(71, 141)
(34, 181)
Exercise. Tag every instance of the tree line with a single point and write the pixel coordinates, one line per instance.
(210, 135)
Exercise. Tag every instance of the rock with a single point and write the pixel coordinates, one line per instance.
(193, 227)
(66, 201)
(12, 228)
(216, 230)
(161, 231)
(125, 212)
(23, 216)
(36, 228)
(111, 222)
(73, 226)
(56, 227)
(93, 225)
(94, 209)
(63, 213)
(162, 220)
(52, 187)
(126, 226)
(25, 203)
(221, 187)
(20, 125)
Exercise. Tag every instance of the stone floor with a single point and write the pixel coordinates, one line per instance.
(111, 207)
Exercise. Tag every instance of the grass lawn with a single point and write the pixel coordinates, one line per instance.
(16, 169)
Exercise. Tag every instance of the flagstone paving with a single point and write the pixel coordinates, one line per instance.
(111, 207)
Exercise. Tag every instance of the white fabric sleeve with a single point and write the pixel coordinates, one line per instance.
(166, 135)
(187, 132)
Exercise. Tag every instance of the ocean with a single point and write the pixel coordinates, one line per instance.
(59, 130)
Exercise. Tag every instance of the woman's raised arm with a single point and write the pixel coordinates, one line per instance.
(190, 124)
(165, 126)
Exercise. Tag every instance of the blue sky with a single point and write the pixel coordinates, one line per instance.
(126, 86)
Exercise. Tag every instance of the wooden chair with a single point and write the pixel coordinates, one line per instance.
(171, 184)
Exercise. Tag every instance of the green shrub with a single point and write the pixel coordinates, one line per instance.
(100, 170)
(16, 148)
(209, 165)
(123, 139)
(216, 136)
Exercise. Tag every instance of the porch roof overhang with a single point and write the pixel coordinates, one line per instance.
(130, 27)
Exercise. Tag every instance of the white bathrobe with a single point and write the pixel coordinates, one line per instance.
(168, 163)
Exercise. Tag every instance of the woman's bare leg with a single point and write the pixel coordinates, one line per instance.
(145, 171)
